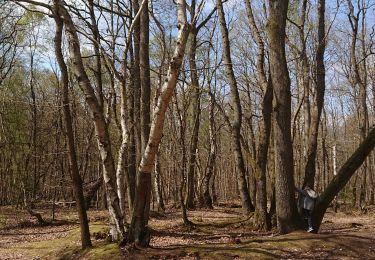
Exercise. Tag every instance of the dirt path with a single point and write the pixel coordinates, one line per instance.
(222, 234)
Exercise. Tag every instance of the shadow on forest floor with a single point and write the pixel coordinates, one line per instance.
(221, 233)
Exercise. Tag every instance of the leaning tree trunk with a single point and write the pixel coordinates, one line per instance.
(72, 155)
(247, 206)
(101, 127)
(286, 209)
(138, 231)
(342, 178)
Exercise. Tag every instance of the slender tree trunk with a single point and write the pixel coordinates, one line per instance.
(196, 120)
(286, 209)
(144, 65)
(76, 177)
(139, 232)
(34, 128)
(247, 206)
(158, 183)
(264, 127)
(358, 82)
(208, 200)
(131, 164)
(310, 170)
(101, 127)
(96, 43)
(122, 160)
(136, 75)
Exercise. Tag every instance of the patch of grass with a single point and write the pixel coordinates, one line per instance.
(60, 248)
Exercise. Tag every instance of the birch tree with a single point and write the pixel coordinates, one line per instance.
(139, 231)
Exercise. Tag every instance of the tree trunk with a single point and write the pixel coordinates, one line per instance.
(144, 65)
(286, 209)
(101, 127)
(247, 206)
(310, 170)
(158, 183)
(76, 177)
(139, 232)
(122, 160)
(209, 172)
(264, 126)
(196, 120)
(361, 83)
(136, 75)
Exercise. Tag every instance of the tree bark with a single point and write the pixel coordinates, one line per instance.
(196, 120)
(158, 183)
(144, 65)
(101, 127)
(286, 209)
(264, 126)
(358, 82)
(247, 206)
(310, 170)
(209, 172)
(136, 73)
(72, 155)
(139, 231)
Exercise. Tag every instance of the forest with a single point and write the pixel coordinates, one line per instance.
(187, 129)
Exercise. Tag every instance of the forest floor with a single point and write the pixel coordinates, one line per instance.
(221, 233)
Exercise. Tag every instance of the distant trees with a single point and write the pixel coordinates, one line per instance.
(8, 40)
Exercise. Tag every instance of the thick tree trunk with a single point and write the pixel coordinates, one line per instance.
(247, 206)
(286, 209)
(101, 128)
(72, 155)
(139, 232)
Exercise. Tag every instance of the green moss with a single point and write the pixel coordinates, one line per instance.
(103, 251)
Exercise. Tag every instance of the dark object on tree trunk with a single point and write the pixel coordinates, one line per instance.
(37, 215)
(91, 190)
